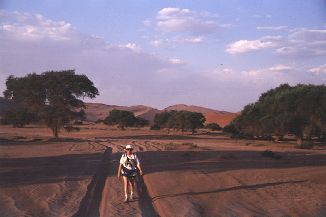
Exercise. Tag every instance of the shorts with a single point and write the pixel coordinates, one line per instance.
(129, 173)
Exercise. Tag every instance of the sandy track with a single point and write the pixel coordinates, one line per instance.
(112, 198)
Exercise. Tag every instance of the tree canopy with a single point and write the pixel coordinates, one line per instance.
(179, 120)
(213, 126)
(124, 119)
(299, 110)
(53, 96)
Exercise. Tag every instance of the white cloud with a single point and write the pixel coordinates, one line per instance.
(265, 78)
(35, 27)
(244, 46)
(273, 28)
(185, 20)
(304, 42)
(300, 42)
(177, 39)
(132, 46)
(319, 69)
(195, 39)
(176, 61)
(280, 67)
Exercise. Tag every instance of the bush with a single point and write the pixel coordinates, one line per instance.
(230, 128)
(213, 126)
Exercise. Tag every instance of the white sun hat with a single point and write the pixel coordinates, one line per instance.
(129, 147)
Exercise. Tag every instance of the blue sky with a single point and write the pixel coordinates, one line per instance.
(218, 54)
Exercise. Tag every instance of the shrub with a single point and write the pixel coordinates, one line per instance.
(213, 126)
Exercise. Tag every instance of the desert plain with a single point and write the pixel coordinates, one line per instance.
(206, 174)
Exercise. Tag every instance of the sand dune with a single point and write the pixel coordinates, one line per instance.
(95, 111)
(211, 115)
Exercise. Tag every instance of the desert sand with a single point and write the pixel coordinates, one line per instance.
(207, 174)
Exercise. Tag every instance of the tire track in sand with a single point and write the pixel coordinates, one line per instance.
(104, 196)
(112, 204)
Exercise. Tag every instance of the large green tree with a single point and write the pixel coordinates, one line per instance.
(123, 119)
(298, 110)
(179, 120)
(53, 96)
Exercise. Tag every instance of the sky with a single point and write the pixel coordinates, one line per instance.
(217, 54)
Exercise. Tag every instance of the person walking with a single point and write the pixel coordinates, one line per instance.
(129, 167)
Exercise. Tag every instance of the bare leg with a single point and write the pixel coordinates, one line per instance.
(125, 187)
(131, 184)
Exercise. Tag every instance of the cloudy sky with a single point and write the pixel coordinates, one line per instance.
(217, 54)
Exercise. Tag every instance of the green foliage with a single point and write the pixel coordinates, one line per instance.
(230, 128)
(179, 120)
(124, 119)
(18, 117)
(298, 110)
(213, 126)
(53, 96)
(141, 122)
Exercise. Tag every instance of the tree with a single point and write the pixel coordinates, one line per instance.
(213, 126)
(18, 117)
(179, 120)
(194, 120)
(124, 119)
(53, 96)
(161, 119)
(298, 110)
(141, 122)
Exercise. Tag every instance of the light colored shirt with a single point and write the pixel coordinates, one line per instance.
(129, 162)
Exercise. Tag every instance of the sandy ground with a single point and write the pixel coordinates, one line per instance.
(206, 174)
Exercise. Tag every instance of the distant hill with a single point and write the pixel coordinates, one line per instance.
(211, 115)
(95, 111)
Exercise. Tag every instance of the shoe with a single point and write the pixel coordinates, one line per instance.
(125, 200)
(131, 196)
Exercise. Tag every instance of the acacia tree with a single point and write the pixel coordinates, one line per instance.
(299, 110)
(180, 120)
(124, 119)
(53, 96)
